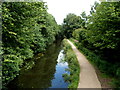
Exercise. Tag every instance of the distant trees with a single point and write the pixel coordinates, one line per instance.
(27, 29)
(71, 22)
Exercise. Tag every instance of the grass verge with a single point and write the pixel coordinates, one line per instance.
(73, 64)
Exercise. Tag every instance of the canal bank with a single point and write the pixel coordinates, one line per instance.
(43, 71)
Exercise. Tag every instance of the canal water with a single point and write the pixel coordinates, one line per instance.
(43, 71)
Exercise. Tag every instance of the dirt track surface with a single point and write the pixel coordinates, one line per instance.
(88, 77)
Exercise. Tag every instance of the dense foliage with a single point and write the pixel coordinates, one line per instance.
(71, 22)
(74, 67)
(101, 35)
(27, 29)
(104, 36)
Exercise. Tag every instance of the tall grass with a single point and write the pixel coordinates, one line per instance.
(73, 64)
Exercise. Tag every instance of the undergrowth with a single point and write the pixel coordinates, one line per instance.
(73, 64)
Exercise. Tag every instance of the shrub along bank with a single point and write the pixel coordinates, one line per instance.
(73, 64)
(27, 29)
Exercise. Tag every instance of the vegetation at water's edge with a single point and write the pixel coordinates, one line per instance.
(73, 64)
(27, 29)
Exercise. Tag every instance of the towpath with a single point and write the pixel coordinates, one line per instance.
(88, 76)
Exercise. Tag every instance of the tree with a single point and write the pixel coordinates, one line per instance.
(104, 26)
(71, 22)
(93, 7)
(27, 29)
(84, 19)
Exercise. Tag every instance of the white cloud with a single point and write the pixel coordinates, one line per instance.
(60, 8)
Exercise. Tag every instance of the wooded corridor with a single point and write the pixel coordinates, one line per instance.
(28, 29)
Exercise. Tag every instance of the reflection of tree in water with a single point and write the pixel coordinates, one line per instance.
(42, 73)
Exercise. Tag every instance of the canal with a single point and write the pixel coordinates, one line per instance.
(43, 71)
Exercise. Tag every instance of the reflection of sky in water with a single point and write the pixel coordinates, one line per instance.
(45, 72)
(60, 61)
(58, 81)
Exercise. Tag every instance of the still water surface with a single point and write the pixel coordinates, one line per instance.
(43, 71)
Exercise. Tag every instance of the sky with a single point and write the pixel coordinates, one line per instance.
(60, 8)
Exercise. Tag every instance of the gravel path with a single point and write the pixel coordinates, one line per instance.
(88, 77)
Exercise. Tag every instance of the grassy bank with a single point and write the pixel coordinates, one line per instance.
(104, 66)
(74, 67)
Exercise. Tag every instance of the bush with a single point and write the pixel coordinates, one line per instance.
(11, 66)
